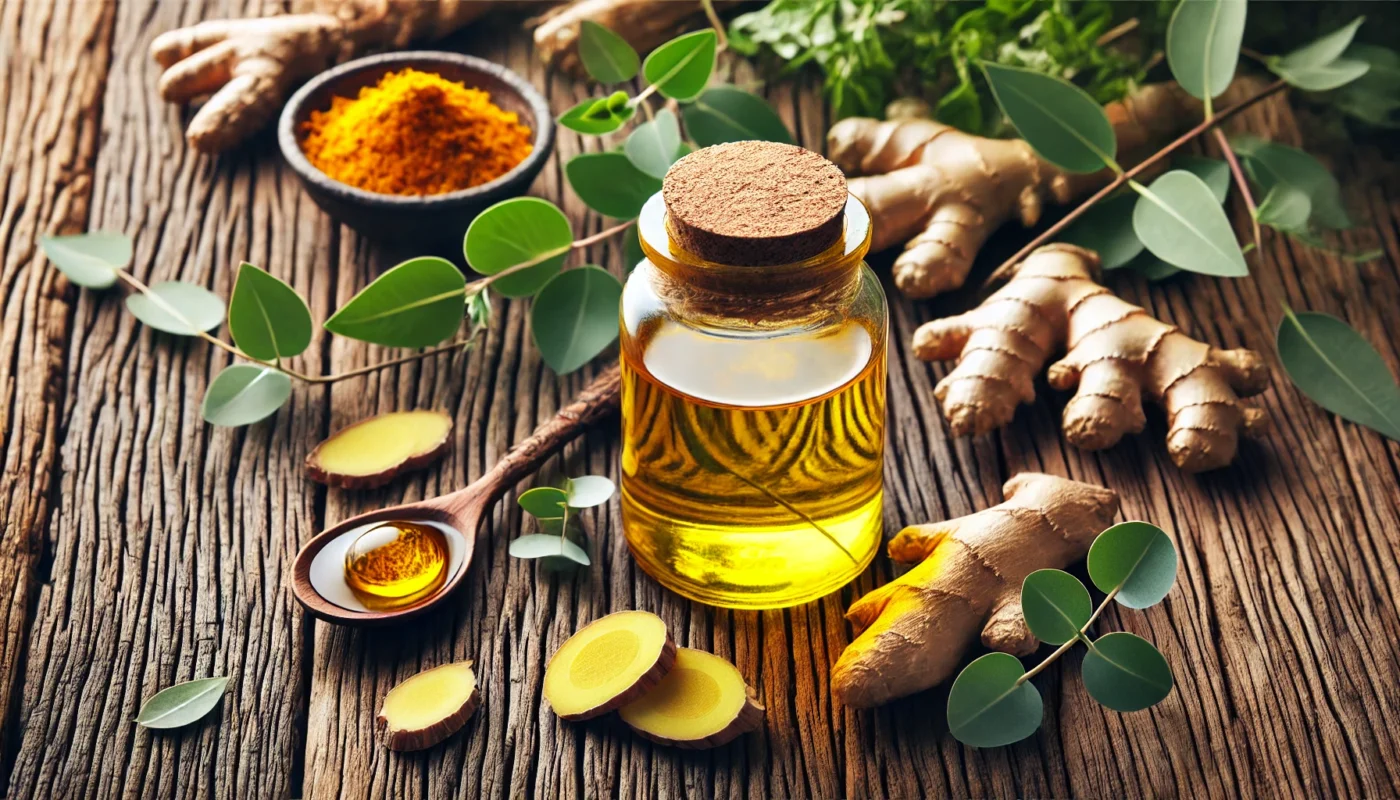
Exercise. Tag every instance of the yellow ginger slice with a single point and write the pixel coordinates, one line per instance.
(374, 451)
(607, 664)
(429, 707)
(703, 702)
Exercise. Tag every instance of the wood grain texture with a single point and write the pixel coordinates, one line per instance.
(171, 541)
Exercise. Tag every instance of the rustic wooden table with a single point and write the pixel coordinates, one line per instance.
(142, 547)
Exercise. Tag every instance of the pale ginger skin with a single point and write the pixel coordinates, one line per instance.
(942, 192)
(1116, 353)
(916, 629)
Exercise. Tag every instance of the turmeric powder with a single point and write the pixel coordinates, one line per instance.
(415, 133)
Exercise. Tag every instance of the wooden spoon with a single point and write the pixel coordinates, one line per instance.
(463, 509)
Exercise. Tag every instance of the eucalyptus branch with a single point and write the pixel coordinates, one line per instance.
(721, 37)
(1240, 181)
(1062, 649)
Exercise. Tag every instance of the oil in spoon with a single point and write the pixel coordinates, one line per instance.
(396, 564)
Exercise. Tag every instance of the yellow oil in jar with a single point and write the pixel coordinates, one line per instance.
(396, 564)
(751, 466)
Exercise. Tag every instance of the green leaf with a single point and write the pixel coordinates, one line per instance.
(607, 56)
(1062, 122)
(88, 259)
(1203, 45)
(545, 502)
(267, 318)
(1339, 370)
(1125, 672)
(1152, 268)
(1214, 171)
(1270, 164)
(540, 545)
(1286, 208)
(1056, 605)
(575, 317)
(726, 114)
(418, 303)
(986, 707)
(1321, 79)
(1319, 65)
(183, 309)
(609, 184)
(181, 704)
(1137, 559)
(654, 146)
(680, 68)
(589, 491)
(1178, 219)
(245, 393)
(514, 232)
(479, 309)
(1374, 98)
(1323, 50)
(1107, 229)
(598, 115)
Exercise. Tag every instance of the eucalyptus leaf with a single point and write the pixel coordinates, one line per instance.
(539, 545)
(1270, 164)
(987, 708)
(519, 231)
(1319, 65)
(1325, 78)
(1286, 208)
(575, 317)
(1324, 50)
(1214, 171)
(88, 259)
(680, 68)
(726, 114)
(183, 309)
(589, 491)
(1151, 267)
(607, 56)
(1339, 370)
(1374, 98)
(245, 393)
(181, 704)
(1203, 45)
(418, 303)
(1107, 229)
(1060, 120)
(545, 502)
(1125, 672)
(599, 115)
(267, 318)
(1178, 219)
(1056, 605)
(609, 184)
(654, 146)
(1135, 558)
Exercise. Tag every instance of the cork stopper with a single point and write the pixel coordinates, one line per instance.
(755, 203)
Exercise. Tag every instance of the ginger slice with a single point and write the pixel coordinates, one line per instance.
(703, 702)
(607, 664)
(429, 707)
(373, 451)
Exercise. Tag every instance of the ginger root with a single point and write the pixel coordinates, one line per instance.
(967, 579)
(248, 65)
(1116, 354)
(372, 452)
(429, 707)
(607, 664)
(942, 192)
(644, 24)
(702, 702)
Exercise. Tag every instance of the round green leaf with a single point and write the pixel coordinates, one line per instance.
(1286, 208)
(1126, 673)
(1060, 120)
(726, 114)
(680, 68)
(1056, 605)
(575, 317)
(418, 303)
(88, 259)
(181, 704)
(545, 502)
(609, 184)
(1339, 370)
(183, 309)
(1107, 229)
(597, 116)
(986, 708)
(589, 491)
(245, 393)
(607, 56)
(1137, 556)
(267, 318)
(1270, 164)
(518, 231)
(1214, 171)
(1203, 45)
(654, 146)
(1178, 219)
(539, 545)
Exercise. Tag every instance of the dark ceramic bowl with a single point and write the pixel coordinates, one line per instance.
(427, 219)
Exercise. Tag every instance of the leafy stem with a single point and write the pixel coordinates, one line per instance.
(721, 37)
(1240, 181)
(1050, 659)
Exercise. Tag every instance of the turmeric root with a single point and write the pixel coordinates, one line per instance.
(968, 579)
(429, 707)
(1116, 354)
(942, 192)
(644, 24)
(248, 65)
(373, 451)
(608, 663)
(702, 702)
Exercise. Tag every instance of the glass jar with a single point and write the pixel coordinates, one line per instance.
(753, 414)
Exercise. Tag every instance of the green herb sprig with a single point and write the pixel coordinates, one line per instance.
(555, 510)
